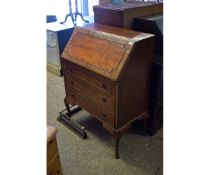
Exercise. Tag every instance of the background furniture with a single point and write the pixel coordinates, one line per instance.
(53, 160)
(107, 73)
(154, 24)
(51, 18)
(57, 38)
(73, 15)
(143, 17)
(121, 15)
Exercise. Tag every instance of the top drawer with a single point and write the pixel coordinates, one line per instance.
(87, 76)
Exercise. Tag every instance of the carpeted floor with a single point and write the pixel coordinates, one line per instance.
(139, 155)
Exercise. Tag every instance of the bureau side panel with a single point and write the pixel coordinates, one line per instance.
(133, 87)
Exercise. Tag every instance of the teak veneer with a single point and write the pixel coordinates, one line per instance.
(106, 72)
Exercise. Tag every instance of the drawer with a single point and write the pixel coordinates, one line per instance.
(97, 110)
(55, 167)
(52, 150)
(87, 76)
(104, 98)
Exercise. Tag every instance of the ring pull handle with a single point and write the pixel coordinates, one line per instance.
(104, 115)
(104, 85)
(104, 100)
(50, 142)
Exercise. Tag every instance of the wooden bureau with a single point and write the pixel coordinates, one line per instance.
(107, 72)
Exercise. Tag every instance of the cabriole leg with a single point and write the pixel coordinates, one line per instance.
(117, 137)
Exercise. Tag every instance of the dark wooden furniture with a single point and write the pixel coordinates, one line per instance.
(107, 73)
(121, 15)
(53, 160)
(154, 24)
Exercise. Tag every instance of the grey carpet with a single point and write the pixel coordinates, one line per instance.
(139, 155)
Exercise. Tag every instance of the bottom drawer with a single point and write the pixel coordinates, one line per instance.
(52, 149)
(97, 110)
(55, 167)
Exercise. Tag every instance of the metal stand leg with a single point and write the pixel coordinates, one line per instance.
(66, 119)
(74, 15)
(67, 107)
(81, 17)
(70, 14)
(117, 137)
(72, 18)
(77, 13)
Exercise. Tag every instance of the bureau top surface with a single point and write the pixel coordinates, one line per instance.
(102, 49)
(126, 5)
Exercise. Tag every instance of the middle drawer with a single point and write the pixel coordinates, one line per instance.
(104, 98)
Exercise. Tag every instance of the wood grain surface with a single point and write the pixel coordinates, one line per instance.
(107, 73)
(102, 52)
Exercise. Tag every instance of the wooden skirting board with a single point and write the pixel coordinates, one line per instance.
(54, 70)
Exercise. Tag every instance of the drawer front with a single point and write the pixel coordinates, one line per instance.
(104, 98)
(52, 150)
(87, 76)
(55, 167)
(86, 103)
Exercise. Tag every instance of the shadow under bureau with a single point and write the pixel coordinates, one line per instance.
(107, 72)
